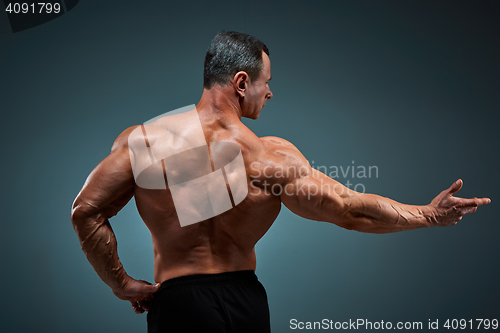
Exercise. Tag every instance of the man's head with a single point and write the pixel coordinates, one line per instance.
(242, 61)
(229, 53)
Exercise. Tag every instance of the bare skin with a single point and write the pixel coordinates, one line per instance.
(227, 242)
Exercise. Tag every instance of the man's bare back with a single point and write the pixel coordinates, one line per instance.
(224, 242)
(276, 172)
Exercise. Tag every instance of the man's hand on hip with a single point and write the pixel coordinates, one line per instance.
(139, 293)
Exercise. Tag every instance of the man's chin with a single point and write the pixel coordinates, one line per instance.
(253, 116)
(256, 115)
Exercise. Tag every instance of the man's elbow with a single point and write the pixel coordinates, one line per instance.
(347, 222)
(79, 214)
(78, 218)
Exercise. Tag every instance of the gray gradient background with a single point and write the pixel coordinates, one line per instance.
(411, 87)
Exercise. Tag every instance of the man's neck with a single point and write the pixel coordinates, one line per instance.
(220, 104)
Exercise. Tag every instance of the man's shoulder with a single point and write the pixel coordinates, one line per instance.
(122, 141)
(280, 154)
(137, 135)
(276, 141)
(274, 145)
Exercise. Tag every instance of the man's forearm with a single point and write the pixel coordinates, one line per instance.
(98, 242)
(376, 214)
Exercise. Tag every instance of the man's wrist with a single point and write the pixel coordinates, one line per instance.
(429, 214)
(121, 281)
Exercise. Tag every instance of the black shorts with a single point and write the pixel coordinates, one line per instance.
(210, 303)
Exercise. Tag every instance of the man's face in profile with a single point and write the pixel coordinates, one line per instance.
(258, 91)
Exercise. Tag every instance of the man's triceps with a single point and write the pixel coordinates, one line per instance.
(108, 188)
(317, 198)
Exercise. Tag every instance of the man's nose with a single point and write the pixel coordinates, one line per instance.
(269, 94)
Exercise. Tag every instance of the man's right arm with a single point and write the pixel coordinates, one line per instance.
(106, 191)
(313, 195)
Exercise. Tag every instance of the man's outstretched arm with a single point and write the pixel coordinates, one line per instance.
(107, 190)
(313, 195)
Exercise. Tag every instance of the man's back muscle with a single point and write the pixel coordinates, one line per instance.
(224, 242)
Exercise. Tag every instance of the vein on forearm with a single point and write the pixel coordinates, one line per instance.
(373, 211)
(99, 245)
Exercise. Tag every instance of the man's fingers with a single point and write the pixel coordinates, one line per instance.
(483, 201)
(474, 202)
(137, 308)
(146, 303)
(142, 305)
(150, 290)
(455, 187)
(144, 291)
(140, 295)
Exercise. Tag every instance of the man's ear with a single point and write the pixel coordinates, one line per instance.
(240, 81)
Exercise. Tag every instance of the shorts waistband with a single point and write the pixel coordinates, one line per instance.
(209, 279)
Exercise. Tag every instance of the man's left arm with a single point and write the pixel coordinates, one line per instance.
(107, 190)
(313, 195)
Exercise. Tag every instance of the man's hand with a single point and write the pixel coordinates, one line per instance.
(448, 210)
(139, 293)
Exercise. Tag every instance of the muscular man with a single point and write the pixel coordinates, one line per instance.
(206, 269)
